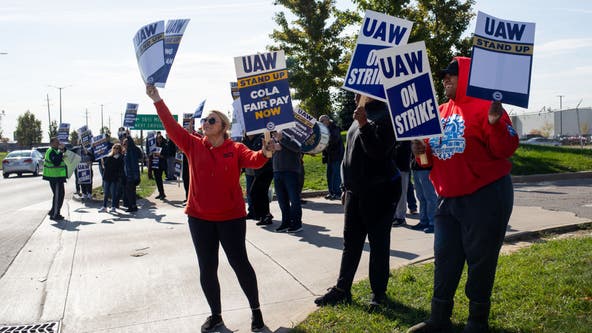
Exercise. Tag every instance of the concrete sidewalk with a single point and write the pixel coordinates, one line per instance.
(101, 272)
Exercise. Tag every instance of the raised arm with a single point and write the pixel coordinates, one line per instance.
(175, 131)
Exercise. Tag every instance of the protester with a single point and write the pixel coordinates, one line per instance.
(113, 169)
(372, 188)
(332, 156)
(403, 163)
(87, 158)
(470, 172)
(159, 165)
(259, 190)
(132, 170)
(426, 195)
(54, 171)
(170, 152)
(287, 170)
(215, 207)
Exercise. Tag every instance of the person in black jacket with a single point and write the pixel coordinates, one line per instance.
(403, 162)
(332, 156)
(259, 189)
(372, 187)
(113, 172)
(159, 165)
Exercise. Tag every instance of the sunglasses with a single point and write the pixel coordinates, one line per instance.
(210, 120)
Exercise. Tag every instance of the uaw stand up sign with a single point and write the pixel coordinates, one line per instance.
(501, 63)
(264, 92)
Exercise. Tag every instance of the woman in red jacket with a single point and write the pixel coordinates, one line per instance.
(215, 205)
(471, 174)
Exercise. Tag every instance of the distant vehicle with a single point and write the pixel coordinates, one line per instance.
(42, 149)
(22, 161)
(543, 142)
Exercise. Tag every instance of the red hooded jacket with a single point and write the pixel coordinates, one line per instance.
(215, 193)
(472, 153)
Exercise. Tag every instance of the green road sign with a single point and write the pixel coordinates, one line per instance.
(149, 122)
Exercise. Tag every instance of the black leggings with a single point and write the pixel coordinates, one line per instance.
(207, 235)
(158, 179)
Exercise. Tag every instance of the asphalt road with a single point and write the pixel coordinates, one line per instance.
(24, 203)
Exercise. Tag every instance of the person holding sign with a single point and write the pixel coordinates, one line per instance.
(54, 171)
(471, 174)
(215, 206)
(372, 187)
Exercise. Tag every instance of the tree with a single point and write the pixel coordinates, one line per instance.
(28, 130)
(53, 129)
(440, 23)
(74, 137)
(346, 104)
(314, 50)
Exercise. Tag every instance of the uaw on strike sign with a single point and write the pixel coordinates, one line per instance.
(264, 92)
(501, 63)
(378, 31)
(405, 73)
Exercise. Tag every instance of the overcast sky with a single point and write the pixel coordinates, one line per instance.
(86, 47)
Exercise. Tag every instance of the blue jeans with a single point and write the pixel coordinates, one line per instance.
(426, 195)
(287, 190)
(334, 178)
(110, 190)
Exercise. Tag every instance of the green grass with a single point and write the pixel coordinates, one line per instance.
(544, 288)
(531, 159)
(144, 190)
(2, 156)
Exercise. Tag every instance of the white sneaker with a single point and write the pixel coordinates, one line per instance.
(112, 210)
(102, 209)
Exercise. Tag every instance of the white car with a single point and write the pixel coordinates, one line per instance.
(22, 161)
(542, 142)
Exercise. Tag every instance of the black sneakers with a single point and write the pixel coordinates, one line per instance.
(257, 324)
(282, 228)
(213, 322)
(334, 296)
(398, 222)
(267, 220)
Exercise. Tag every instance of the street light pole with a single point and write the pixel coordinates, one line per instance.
(560, 115)
(60, 89)
(102, 126)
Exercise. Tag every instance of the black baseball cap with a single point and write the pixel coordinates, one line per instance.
(452, 69)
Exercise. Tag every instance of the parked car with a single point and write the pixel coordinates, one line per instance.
(543, 142)
(22, 161)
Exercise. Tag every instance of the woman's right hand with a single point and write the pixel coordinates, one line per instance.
(152, 92)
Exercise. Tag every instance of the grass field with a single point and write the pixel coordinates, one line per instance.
(543, 288)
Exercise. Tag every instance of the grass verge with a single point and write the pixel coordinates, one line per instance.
(143, 190)
(546, 287)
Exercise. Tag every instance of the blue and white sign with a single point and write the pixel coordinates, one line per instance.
(151, 142)
(405, 73)
(304, 127)
(85, 137)
(172, 39)
(64, 132)
(199, 109)
(501, 62)
(378, 31)
(188, 122)
(83, 172)
(264, 92)
(156, 49)
(131, 112)
(237, 128)
(178, 165)
(100, 146)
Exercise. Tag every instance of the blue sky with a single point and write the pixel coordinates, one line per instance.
(86, 47)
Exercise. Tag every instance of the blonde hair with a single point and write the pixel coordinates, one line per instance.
(117, 145)
(225, 122)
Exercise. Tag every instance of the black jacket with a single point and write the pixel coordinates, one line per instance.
(113, 168)
(334, 150)
(369, 155)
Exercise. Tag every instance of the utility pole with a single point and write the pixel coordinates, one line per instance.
(102, 126)
(48, 115)
(2, 114)
(560, 115)
(86, 116)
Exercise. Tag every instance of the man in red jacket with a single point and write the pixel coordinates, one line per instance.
(471, 174)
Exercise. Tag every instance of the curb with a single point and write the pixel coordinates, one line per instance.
(551, 177)
(524, 235)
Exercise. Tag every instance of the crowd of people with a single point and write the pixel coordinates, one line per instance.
(464, 192)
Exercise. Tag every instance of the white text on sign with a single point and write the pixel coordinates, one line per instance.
(415, 116)
(381, 30)
(409, 63)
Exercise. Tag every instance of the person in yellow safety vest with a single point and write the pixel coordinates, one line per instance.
(54, 171)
